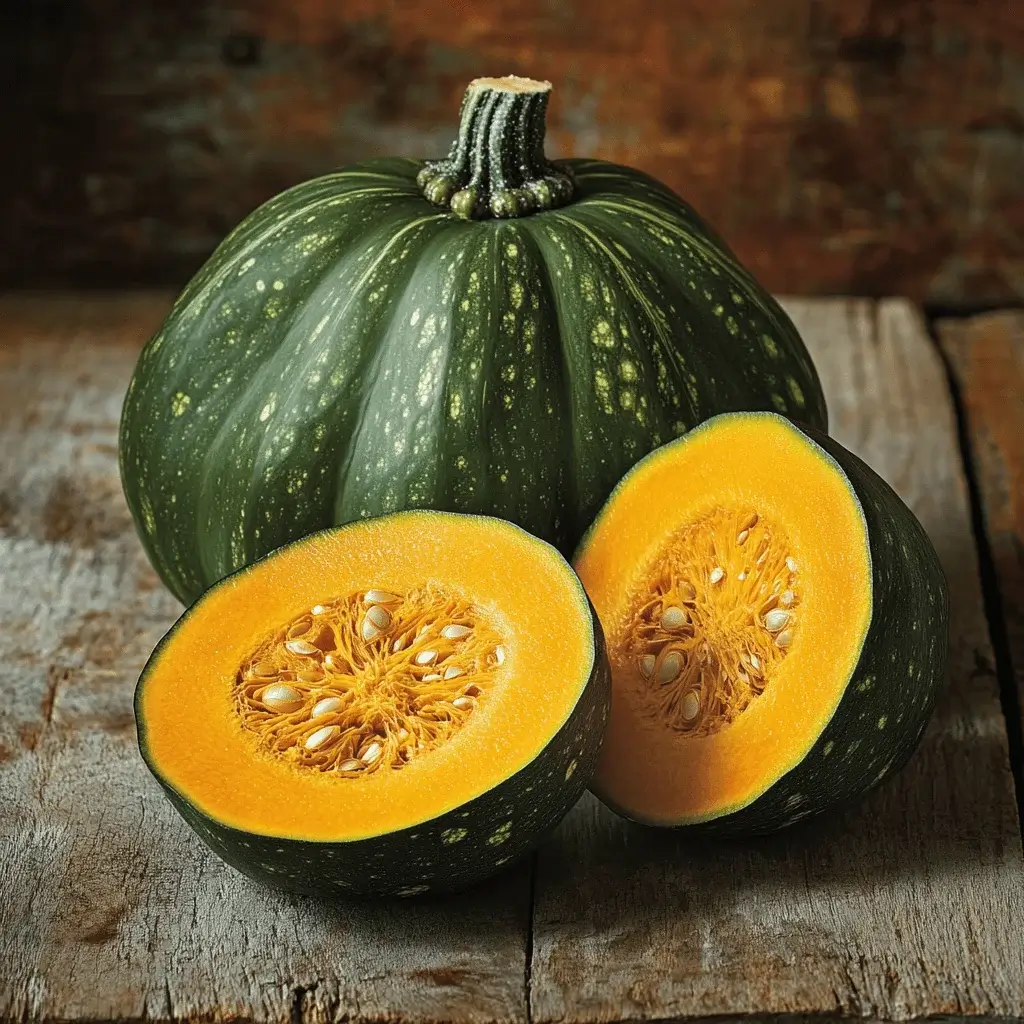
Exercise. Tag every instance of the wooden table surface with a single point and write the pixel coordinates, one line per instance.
(909, 905)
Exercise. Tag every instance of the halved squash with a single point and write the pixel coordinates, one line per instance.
(402, 704)
(776, 621)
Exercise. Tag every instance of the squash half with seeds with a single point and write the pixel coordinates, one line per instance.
(776, 621)
(398, 706)
(491, 333)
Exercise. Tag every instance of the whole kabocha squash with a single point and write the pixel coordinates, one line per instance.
(490, 333)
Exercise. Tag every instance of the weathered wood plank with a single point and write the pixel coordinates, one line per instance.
(840, 146)
(109, 907)
(906, 906)
(986, 354)
(901, 908)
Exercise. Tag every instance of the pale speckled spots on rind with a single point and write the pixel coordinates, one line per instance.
(501, 834)
(306, 261)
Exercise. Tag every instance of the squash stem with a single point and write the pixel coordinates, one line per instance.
(496, 166)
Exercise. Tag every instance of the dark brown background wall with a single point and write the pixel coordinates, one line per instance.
(841, 146)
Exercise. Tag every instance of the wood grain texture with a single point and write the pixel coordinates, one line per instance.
(986, 355)
(906, 906)
(110, 908)
(840, 146)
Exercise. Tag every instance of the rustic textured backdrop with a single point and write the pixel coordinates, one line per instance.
(841, 146)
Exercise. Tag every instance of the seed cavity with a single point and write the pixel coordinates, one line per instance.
(342, 689)
(709, 620)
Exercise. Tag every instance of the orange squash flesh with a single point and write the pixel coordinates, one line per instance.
(654, 773)
(189, 723)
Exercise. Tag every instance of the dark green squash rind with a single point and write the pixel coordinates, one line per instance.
(900, 673)
(516, 368)
(446, 853)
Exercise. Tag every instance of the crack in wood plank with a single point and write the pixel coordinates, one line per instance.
(985, 358)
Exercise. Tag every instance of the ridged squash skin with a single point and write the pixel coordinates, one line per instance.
(351, 349)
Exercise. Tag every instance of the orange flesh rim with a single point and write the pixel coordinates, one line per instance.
(743, 460)
(196, 741)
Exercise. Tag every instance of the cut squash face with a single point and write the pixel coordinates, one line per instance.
(424, 683)
(734, 576)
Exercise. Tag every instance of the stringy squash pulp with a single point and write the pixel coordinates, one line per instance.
(732, 573)
(367, 680)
